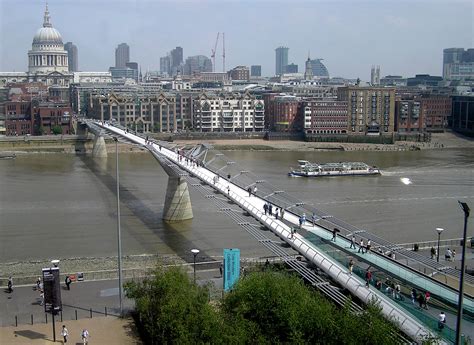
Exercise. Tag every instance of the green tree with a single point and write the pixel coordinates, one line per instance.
(174, 310)
(156, 127)
(57, 130)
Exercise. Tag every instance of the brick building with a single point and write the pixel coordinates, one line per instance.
(371, 110)
(281, 114)
(323, 116)
(18, 120)
(239, 73)
(463, 115)
(436, 110)
(408, 114)
(49, 117)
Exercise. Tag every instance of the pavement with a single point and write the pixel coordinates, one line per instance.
(102, 330)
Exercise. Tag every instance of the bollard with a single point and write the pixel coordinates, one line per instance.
(91, 312)
(76, 314)
(31, 318)
(16, 321)
(46, 315)
(61, 315)
(105, 311)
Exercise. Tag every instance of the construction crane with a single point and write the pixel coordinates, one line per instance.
(223, 52)
(213, 53)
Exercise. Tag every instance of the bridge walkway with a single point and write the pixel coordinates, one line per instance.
(253, 204)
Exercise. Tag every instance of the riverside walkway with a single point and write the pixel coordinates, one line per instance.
(236, 189)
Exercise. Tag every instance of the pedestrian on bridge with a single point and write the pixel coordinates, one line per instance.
(441, 320)
(68, 282)
(334, 234)
(250, 191)
(433, 253)
(351, 266)
(314, 218)
(228, 190)
(301, 221)
(353, 240)
(265, 208)
(368, 277)
(65, 334)
(255, 189)
(367, 248)
(413, 296)
(361, 246)
(282, 212)
(10, 284)
(270, 209)
(276, 212)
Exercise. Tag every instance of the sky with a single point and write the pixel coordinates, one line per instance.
(404, 37)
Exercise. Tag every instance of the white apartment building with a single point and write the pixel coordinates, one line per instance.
(228, 113)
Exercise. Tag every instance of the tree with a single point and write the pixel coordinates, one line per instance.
(57, 130)
(172, 309)
(156, 127)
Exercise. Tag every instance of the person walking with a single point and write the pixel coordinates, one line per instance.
(265, 208)
(270, 209)
(228, 190)
(397, 291)
(361, 246)
(334, 234)
(220, 268)
(441, 320)
(304, 218)
(353, 240)
(276, 212)
(413, 296)
(10, 285)
(68, 282)
(368, 277)
(250, 191)
(448, 255)
(314, 218)
(282, 212)
(368, 246)
(301, 221)
(427, 299)
(255, 189)
(433, 253)
(85, 336)
(65, 334)
(38, 283)
(351, 266)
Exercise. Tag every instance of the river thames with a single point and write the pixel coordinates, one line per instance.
(59, 205)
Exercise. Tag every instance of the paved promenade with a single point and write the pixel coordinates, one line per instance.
(102, 330)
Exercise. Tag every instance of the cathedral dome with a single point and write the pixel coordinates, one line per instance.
(47, 34)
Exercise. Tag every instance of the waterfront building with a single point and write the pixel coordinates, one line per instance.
(458, 64)
(49, 116)
(239, 73)
(92, 77)
(323, 116)
(256, 70)
(281, 60)
(72, 56)
(371, 110)
(228, 112)
(463, 115)
(436, 110)
(196, 64)
(291, 68)
(281, 112)
(122, 55)
(408, 114)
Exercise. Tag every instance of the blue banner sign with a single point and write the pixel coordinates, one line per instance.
(231, 267)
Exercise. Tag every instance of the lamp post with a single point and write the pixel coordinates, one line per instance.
(439, 231)
(119, 237)
(195, 253)
(466, 211)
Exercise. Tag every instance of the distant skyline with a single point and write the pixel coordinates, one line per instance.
(403, 37)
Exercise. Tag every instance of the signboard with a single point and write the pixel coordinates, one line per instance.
(231, 267)
(51, 289)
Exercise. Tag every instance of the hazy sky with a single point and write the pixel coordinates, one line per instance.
(403, 37)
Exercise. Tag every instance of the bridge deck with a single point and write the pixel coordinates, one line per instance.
(283, 228)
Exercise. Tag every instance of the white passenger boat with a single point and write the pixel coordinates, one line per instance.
(308, 169)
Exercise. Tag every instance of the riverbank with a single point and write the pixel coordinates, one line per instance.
(78, 145)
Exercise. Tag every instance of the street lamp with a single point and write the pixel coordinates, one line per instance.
(466, 211)
(119, 237)
(439, 231)
(195, 253)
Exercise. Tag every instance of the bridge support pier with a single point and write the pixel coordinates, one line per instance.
(177, 203)
(99, 150)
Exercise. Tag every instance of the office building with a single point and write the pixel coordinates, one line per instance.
(308, 71)
(371, 110)
(424, 80)
(291, 68)
(393, 80)
(165, 65)
(196, 64)
(458, 64)
(281, 60)
(463, 115)
(124, 73)
(239, 73)
(176, 57)
(319, 69)
(122, 55)
(436, 111)
(72, 56)
(256, 71)
(323, 116)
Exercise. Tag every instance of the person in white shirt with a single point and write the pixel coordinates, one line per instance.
(65, 333)
(441, 320)
(85, 336)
